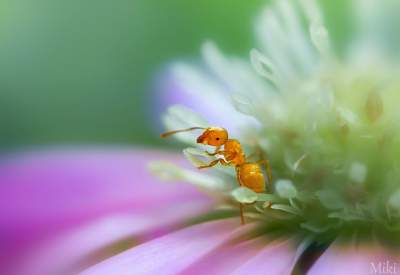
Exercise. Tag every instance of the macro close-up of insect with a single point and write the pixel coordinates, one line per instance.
(200, 137)
(229, 152)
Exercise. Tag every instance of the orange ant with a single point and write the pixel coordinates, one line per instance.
(248, 174)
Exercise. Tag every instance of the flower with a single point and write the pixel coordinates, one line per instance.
(325, 119)
(63, 210)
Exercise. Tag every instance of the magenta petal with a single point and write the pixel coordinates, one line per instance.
(65, 188)
(170, 254)
(42, 194)
(66, 251)
(356, 260)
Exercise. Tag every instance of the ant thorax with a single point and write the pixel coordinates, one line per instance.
(233, 152)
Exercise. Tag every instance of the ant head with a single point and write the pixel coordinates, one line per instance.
(213, 136)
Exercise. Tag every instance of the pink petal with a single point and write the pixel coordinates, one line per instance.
(225, 259)
(355, 259)
(42, 194)
(170, 254)
(275, 258)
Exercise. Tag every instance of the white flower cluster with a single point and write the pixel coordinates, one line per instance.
(327, 120)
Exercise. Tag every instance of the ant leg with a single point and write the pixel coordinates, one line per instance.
(211, 164)
(241, 206)
(215, 153)
(223, 162)
(267, 169)
(242, 220)
(238, 176)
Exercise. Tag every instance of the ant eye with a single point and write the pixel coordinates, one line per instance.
(217, 138)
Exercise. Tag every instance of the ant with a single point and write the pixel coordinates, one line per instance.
(248, 174)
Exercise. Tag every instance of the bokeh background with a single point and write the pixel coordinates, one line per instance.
(85, 72)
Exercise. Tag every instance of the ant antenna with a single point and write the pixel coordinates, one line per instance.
(167, 134)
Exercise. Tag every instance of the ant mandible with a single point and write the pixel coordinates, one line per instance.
(248, 174)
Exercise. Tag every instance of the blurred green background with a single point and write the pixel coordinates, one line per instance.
(83, 71)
